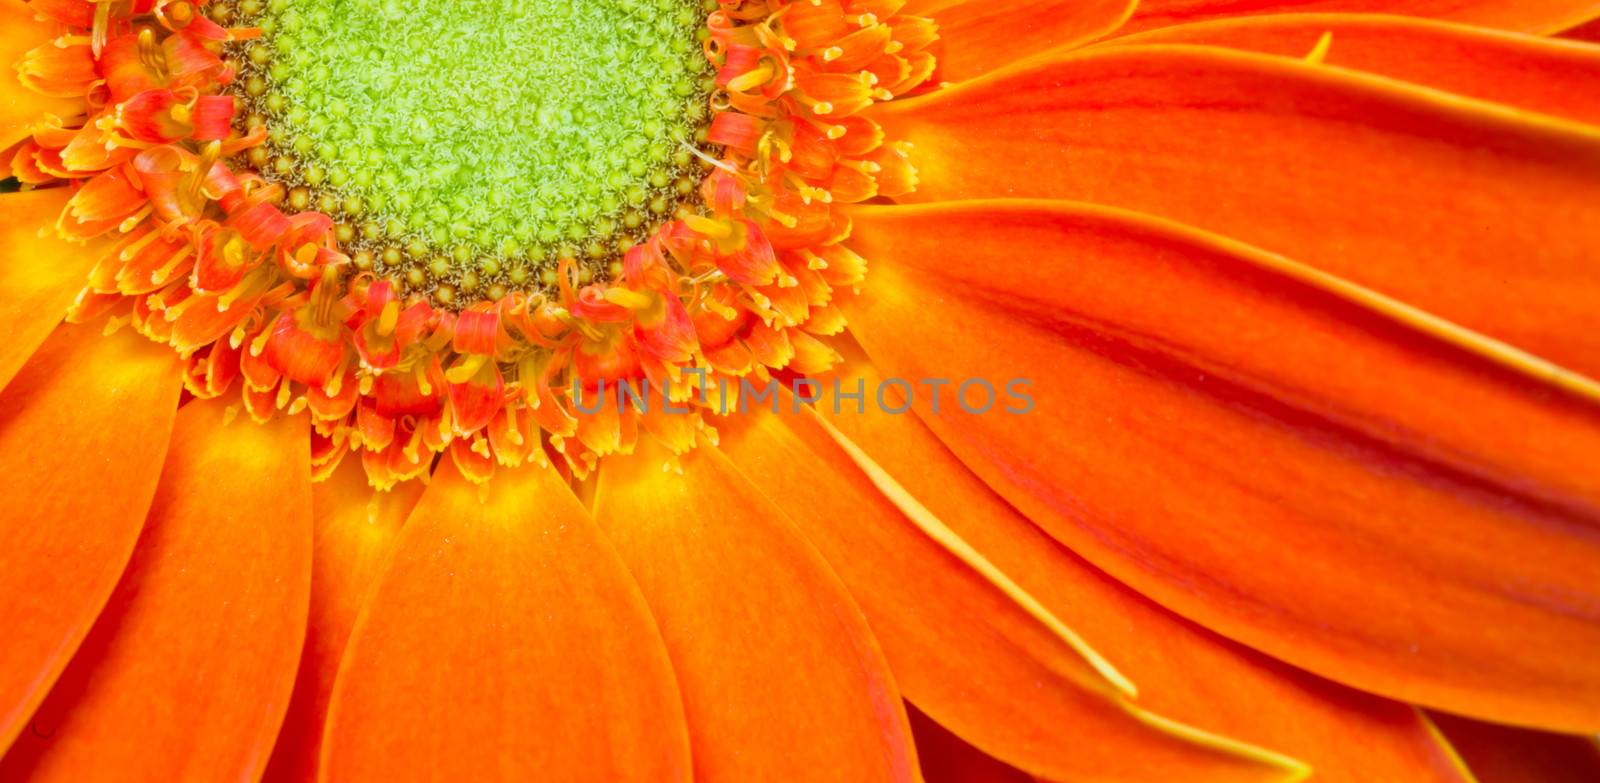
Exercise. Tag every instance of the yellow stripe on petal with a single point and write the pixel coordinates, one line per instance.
(1507, 754)
(1529, 72)
(1480, 213)
(969, 656)
(952, 542)
(1543, 17)
(1294, 769)
(1198, 413)
(978, 36)
(937, 530)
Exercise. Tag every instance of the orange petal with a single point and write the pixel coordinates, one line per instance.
(980, 35)
(781, 678)
(967, 663)
(1503, 754)
(353, 532)
(39, 275)
(72, 519)
(189, 668)
(1540, 74)
(505, 641)
(1394, 187)
(1260, 449)
(1546, 16)
(960, 647)
(948, 759)
(20, 107)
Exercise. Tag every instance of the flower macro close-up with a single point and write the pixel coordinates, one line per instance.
(956, 391)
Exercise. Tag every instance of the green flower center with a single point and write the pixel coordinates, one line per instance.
(483, 135)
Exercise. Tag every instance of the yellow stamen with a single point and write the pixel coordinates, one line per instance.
(389, 318)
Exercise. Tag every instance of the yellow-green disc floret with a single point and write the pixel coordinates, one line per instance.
(509, 127)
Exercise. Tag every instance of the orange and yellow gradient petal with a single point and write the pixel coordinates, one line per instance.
(1334, 425)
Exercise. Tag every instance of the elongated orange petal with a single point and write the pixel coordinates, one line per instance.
(353, 531)
(1540, 74)
(1546, 16)
(83, 430)
(505, 641)
(781, 678)
(1334, 480)
(959, 646)
(946, 758)
(20, 107)
(960, 666)
(188, 670)
(981, 35)
(1394, 187)
(40, 275)
(1503, 754)
(1182, 670)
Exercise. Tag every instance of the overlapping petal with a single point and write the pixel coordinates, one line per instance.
(1262, 449)
(947, 758)
(1547, 16)
(21, 108)
(980, 35)
(1505, 754)
(1538, 74)
(1223, 409)
(40, 275)
(187, 672)
(504, 640)
(353, 532)
(1478, 213)
(964, 662)
(781, 678)
(1589, 31)
(83, 429)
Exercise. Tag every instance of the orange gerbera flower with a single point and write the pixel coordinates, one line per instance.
(464, 390)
